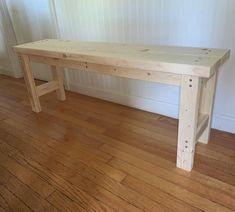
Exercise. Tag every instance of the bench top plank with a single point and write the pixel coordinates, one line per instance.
(200, 62)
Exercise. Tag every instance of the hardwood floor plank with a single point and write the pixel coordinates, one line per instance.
(128, 151)
(129, 195)
(3, 116)
(142, 128)
(146, 127)
(113, 118)
(219, 174)
(178, 192)
(142, 142)
(215, 155)
(226, 198)
(26, 176)
(61, 155)
(24, 193)
(227, 166)
(65, 203)
(86, 154)
(53, 177)
(38, 131)
(59, 160)
(9, 202)
(98, 178)
(212, 150)
(148, 161)
(157, 195)
(102, 181)
(223, 139)
(217, 148)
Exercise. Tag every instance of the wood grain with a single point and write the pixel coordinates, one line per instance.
(23, 192)
(93, 155)
(186, 67)
(176, 60)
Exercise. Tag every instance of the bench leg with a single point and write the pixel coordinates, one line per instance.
(188, 119)
(59, 77)
(31, 87)
(206, 105)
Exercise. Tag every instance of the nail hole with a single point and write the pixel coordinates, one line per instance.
(190, 86)
(190, 80)
(186, 147)
(186, 141)
(149, 74)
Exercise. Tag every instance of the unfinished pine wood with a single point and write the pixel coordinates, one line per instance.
(203, 121)
(153, 76)
(65, 159)
(47, 87)
(206, 105)
(176, 60)
(58, 76)
(29, 80)
(188, 121)
(185, 67)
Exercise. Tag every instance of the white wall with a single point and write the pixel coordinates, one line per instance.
(33, 20)
(8, 59)
(199, 23)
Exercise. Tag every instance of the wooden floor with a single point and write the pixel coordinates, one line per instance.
(86, 154)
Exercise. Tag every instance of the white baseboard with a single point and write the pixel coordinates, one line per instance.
(10, 73)
(220, 122)
(150, 105)
(224, 123)
(6, 72)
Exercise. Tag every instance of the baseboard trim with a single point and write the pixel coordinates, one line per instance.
(224, 123)
(220, 122)
(10, 73)
(150, 105)
(6, 72)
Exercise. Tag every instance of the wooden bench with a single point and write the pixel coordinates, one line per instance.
(193, 69)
